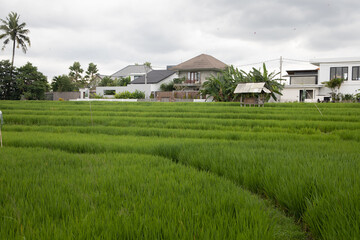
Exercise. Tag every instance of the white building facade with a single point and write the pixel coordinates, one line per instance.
(152, 85)
(307, 85)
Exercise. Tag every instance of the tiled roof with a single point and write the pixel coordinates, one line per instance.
(201, 62)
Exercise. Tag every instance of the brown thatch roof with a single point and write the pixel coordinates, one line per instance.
(201, 62)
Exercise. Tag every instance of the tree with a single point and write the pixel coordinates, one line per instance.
(9, 87)
(123, 81)
(32, 83)
(62, 83)
(15, 32)
(75, 74)
(334, 84)
(106, 81)
(271, 82)
(221, 87)
(91, 75)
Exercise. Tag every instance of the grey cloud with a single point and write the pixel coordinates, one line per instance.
(112, 32)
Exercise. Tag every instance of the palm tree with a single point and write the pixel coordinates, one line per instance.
(15, 32)
(334, 84)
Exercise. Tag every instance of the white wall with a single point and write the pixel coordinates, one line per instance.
(147, 88)
(348, 87)
(290, 95)
(293, 94)
(130, 88)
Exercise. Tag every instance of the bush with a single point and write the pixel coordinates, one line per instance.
(167, 87)
(138, 94)
(96, 96)
(348, 98)
(128, 95)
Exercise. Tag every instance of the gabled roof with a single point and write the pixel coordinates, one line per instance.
(251, 88)
(130, 70)
(155, 76)
(201, 62)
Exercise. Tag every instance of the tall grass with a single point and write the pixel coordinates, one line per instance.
(305, 163)
(49, 194)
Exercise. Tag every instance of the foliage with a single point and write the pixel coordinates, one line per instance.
(96, 96)
(128, 95)
(32, 83)
(16, 32)
(348, 97)
(334, 84)
(271, 82)
(122, 81)
(63, 83)
(106, 81)
(138, 94)
(222, 86)
(9, 87)
(167, 87)
(179, 80)
(75, 75)
(91, 76)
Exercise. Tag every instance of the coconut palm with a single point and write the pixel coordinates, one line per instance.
(16, 32)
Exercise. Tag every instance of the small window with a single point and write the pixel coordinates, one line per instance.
(306, 94)
(194, 76)
(339, 72)
(356, 73)
(109, 92)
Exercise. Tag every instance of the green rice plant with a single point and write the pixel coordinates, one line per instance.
(304, 162)
(47, 194)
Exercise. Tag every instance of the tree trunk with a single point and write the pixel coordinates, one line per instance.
(12, 60)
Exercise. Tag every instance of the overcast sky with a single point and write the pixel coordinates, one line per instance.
(114, 34)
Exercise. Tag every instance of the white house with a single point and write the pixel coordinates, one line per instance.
(307, 85)
(153, 81)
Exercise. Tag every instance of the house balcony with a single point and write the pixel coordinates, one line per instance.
(189, 83)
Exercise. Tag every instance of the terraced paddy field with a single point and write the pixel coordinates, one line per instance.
(71, 170)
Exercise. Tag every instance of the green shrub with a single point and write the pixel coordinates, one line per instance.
(128, 95)
(167, 87)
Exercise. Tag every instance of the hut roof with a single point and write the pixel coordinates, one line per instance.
(251, 88)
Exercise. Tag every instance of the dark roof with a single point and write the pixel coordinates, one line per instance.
(302, 72)
(201, 62)
(155, 76)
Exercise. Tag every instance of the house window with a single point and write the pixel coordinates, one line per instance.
(356, 73)
(194, 76)
(339, 72)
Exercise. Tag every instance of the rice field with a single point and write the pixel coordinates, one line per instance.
(102, 170)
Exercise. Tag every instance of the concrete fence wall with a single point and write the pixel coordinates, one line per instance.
(64, 95)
